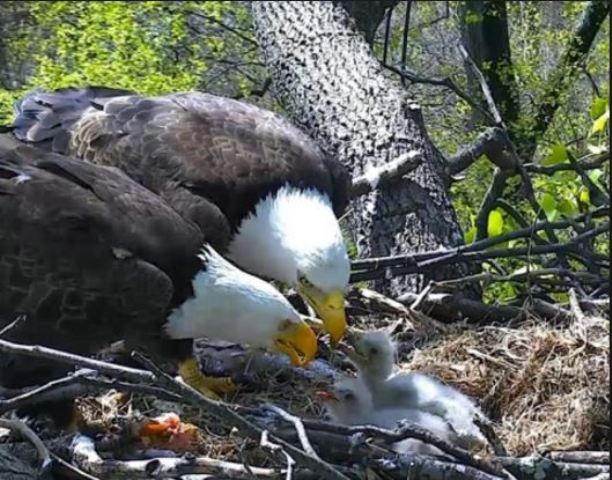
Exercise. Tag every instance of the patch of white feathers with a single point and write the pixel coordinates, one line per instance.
(230, 305)
(290, 231)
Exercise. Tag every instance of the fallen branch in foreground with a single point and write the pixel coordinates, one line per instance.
(86, 457)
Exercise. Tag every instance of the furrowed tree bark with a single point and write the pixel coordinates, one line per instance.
(327, 78)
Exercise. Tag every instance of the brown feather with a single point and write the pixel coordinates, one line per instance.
(228, 152)
(88, 255)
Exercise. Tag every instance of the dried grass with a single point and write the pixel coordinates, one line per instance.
(546, 387)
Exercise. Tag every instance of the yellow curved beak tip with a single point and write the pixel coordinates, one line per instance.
(299, 342)
(333, 315)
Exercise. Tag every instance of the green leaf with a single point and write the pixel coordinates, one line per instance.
(595, 175)
(600, 123)
(470, 236)
(567, 207)
(558, 154)
(584, 196)
(549, 205)
(495, 225)
(598, 107)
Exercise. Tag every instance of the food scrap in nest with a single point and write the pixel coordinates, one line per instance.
(168, 432)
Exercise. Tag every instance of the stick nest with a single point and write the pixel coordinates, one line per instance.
(545, 386)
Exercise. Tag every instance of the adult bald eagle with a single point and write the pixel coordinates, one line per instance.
(279, 192)
(91, 257)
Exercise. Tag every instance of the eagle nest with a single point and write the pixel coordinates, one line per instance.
(544, 386)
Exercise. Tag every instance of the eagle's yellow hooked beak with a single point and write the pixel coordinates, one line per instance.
(329, 307)
(297, 341)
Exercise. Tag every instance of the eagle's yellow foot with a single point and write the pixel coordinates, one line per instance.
(189, 371)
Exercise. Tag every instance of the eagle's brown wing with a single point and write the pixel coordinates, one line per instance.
(87, 254)
(221, 149)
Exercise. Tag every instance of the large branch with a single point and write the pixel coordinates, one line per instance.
(331, 85)
(484, 31)
(564, 74)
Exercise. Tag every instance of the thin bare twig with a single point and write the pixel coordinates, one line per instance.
(28, 434)
(299, 428)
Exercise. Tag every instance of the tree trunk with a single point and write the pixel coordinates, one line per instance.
(332, 86)
(368, 14)
(484, 32)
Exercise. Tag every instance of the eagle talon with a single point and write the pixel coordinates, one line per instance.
(209, 386)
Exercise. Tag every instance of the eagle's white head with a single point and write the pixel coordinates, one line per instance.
(231, 305)
(294, 237)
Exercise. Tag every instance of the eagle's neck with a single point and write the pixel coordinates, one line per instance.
(290, 231)
(229, 304)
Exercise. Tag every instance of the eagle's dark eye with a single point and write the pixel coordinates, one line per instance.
(373, 351)
(349, 396)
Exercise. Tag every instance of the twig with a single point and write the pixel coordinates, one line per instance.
(82, 382)
(299, 428)
(402, 433)
(575, 307)
(386, 174)
(36, 394)
(450, 308)
(12, 325)
(525, 466)
(76, 360)
(75, 472)
(225, 413)
(483, 85)
(265, 442)
(416, 263)
(446, 82)
(551, 169)
(421, 296)
(225, 27)
(28, 433)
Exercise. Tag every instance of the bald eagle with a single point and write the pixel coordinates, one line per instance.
(91, 256)
(280, 194)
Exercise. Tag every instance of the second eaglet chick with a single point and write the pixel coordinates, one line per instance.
(349, 402)
(373, 355)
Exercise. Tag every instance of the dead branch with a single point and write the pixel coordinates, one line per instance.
(42, 451)
(382, 176)
(580, 457)
(225, 413)
(525, 467)
(412, 263)
(299, 428)
(491, 143)
(451, 308)
(37, 351)
(85, 457)
(402, 433)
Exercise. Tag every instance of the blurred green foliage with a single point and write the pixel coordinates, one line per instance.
(153, 47)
